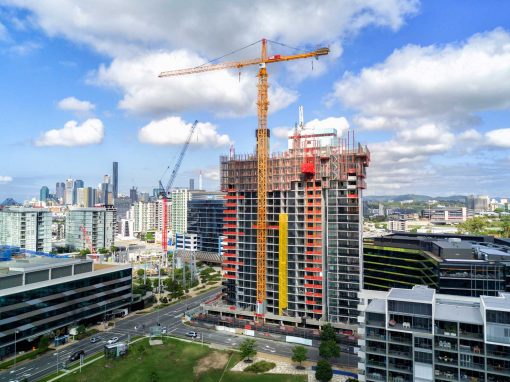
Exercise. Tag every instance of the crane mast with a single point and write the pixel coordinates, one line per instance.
(262, 148)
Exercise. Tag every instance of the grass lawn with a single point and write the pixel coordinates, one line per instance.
(173, 361)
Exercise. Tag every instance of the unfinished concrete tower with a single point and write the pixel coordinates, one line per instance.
(314, 222)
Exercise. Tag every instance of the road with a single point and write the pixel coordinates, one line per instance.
(136, 325)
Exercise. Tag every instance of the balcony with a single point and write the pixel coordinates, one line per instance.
(375, 377)
(502, 368)
(445, 375)
(400, 367)
(473, 365)
(376, 336)
(446, 360)
(376, 364)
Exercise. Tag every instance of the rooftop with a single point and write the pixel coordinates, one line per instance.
(419, 293)
(34, 263)
(376, 306)
(501, 302)
(459, 313)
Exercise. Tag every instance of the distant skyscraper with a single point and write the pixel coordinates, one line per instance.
(133, 194)
(104, 192)
(78, 183)
(106, 178)
(60, 189)
(91, 197)
(68, 194)
(192, 184)
(115, 179)
(44, 193)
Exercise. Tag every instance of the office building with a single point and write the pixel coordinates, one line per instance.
(28, 228)
(122, 205)
(313, 254)
(69, 190)
(115, 180)
(478, 203)
(40, 296)
(133, 195)
(99, 222)
(450, 215)
(466, 265)
(205, 219)
(191, 184)
(60, 188)
(419, 335)
(78, 183)
(179, 210)
(44, 194)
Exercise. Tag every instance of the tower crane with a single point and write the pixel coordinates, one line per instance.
(166, 190)
(262, 149)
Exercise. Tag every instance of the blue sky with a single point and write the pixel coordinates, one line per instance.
(423, 84)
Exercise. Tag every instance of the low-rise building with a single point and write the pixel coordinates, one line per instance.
(41, 295)
(419, 335)
(446, 215)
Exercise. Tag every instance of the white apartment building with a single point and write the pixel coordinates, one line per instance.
(28, 228)
(148, 216)
(179, 215)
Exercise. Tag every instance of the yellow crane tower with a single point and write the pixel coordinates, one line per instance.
(262, 144)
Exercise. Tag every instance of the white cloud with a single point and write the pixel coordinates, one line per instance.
(209, 27)
(74, 104)
(220, 92)
(434, 81)
(90, 132)
(5, 179)
(174, 131)
(339, 123)
(4, 34)
(281, 132)
(498, 138)
(212, 174)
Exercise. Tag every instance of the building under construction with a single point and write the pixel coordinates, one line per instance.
(314, 225)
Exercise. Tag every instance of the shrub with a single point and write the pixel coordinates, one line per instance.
(260, 367)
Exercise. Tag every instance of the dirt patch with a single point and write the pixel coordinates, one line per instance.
(215, 360)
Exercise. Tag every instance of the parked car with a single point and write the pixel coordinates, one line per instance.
(95, 339)
(76, 355)
(112, 340)
(192, 334)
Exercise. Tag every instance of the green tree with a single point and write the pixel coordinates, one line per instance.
(505, 228)
(81, 329)
(323, 373)
(44, 343)
(299, 354)
(329, 349)
(477, 225)
(103, 251)
(84, 252)
(153, 377)
(140, 273)
(328, 333)
(247, 349)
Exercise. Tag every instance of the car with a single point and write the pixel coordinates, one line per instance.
(112, 340)
(76, 355)
(192, 334)
(95, 339)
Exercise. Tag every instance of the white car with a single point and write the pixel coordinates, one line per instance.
(113, 340)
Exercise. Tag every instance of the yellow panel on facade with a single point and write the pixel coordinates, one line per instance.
(282, 263)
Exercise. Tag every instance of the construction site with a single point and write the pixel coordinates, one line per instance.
(292, 220)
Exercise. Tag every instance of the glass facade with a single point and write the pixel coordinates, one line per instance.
(40, 310)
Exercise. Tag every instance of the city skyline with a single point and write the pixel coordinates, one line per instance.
(441, 132)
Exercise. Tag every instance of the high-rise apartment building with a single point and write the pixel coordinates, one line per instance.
(313, 251)
(179, 210)
(122, 205)
(68, 194)
(44, 193)
(115, 180)
(148, 216)
(409, 335)
(99, 222)
(478, 203)
(28, 228)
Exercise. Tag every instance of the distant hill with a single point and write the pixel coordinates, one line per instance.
(416, 198)
(9, 202)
